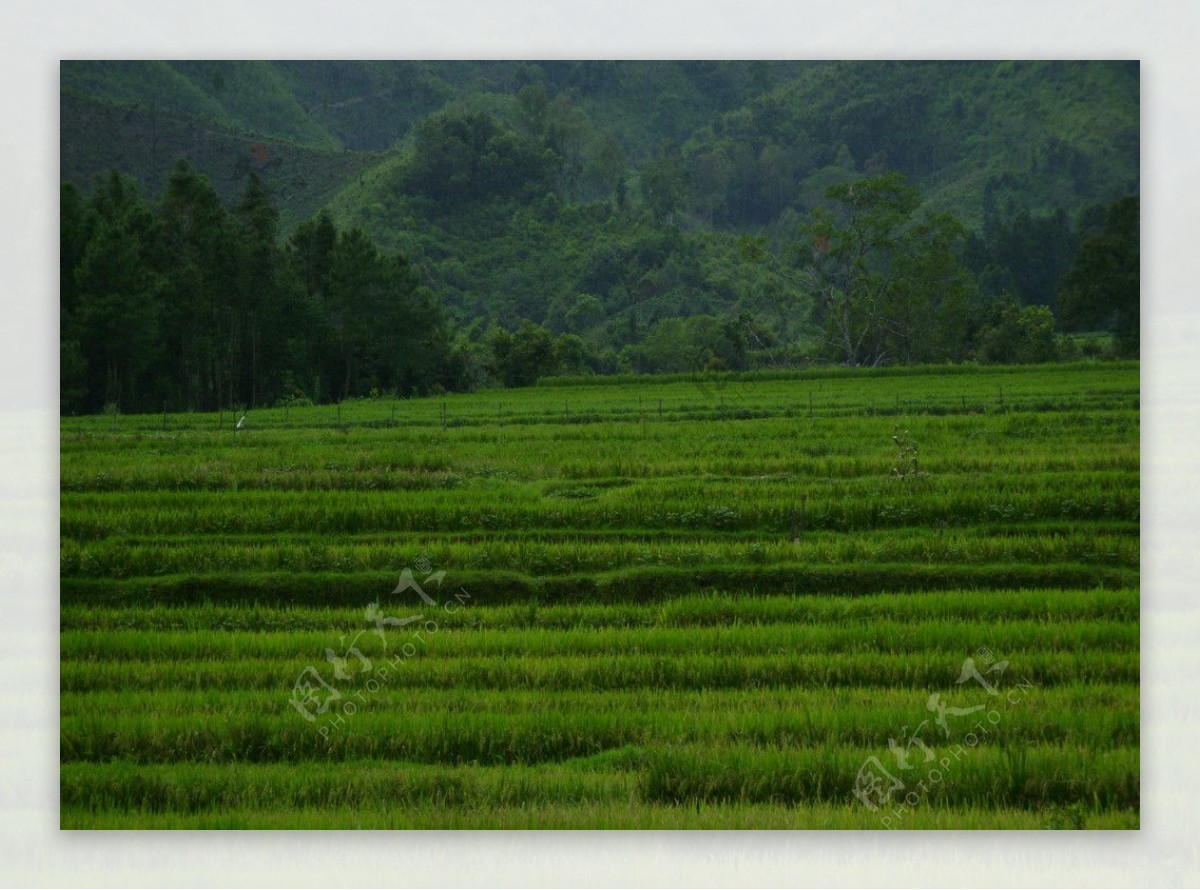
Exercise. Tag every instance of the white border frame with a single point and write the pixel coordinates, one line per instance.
(34, 36)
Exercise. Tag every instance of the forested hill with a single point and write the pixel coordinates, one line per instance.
(753, 139)
(662, 213)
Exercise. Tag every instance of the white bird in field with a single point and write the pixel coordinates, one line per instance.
(241, 420)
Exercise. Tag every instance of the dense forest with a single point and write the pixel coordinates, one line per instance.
(240, 234)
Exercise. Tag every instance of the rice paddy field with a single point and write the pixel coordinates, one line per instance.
(890, 599)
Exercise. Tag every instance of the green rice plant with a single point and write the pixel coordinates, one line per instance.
(907, 465)
(645, 645)
(709, 608)
(608, 814)
(597, 672)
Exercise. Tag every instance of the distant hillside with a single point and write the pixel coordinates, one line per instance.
(753, 145)
(253, 97)
(1009, 135)
(519, 188)
(145, 142)
(413, 226)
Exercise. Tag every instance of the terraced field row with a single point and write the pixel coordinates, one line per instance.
(636, 706)
(741, 610)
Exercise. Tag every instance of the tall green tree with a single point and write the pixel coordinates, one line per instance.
(199, 294)
(118, 287)
(309, 258)
(1016, 334)
(889, 285)
(73, 233)
(467, 159)
(855, 243)
(926, 316)
(310, 249)
(267, 322)
(196, 305)
(1103, 286)
(665, 185)
(695, 343)
(520, 358)
(387, 332)
(74, 226)
(1023, 257)
(606, 163)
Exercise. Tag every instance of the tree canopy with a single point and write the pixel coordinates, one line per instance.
(1103, 285)
(189, 305)
(890, 285)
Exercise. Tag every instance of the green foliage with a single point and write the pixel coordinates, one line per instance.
(570, 355)
(246, 95)
(157, 84)
(520, 359)
(889, 286)
(664, 186)
(470, 158)
(255, 96)
(118, 284)
(927, 318)
(755, 138)
(368, 106)
(598, 199)
(698, 343)
(1024, 257)
(1104, 283)
(907, 464)
(1018, 335)
(198, 306)
(587, 312)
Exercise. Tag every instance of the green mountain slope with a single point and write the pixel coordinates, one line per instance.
(1045, 135)
(985, 141)
(519, 188)
(755, 139)
(146, 83)
(98, 137)
(253, 97)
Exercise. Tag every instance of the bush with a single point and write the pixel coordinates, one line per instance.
(1018, 335)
